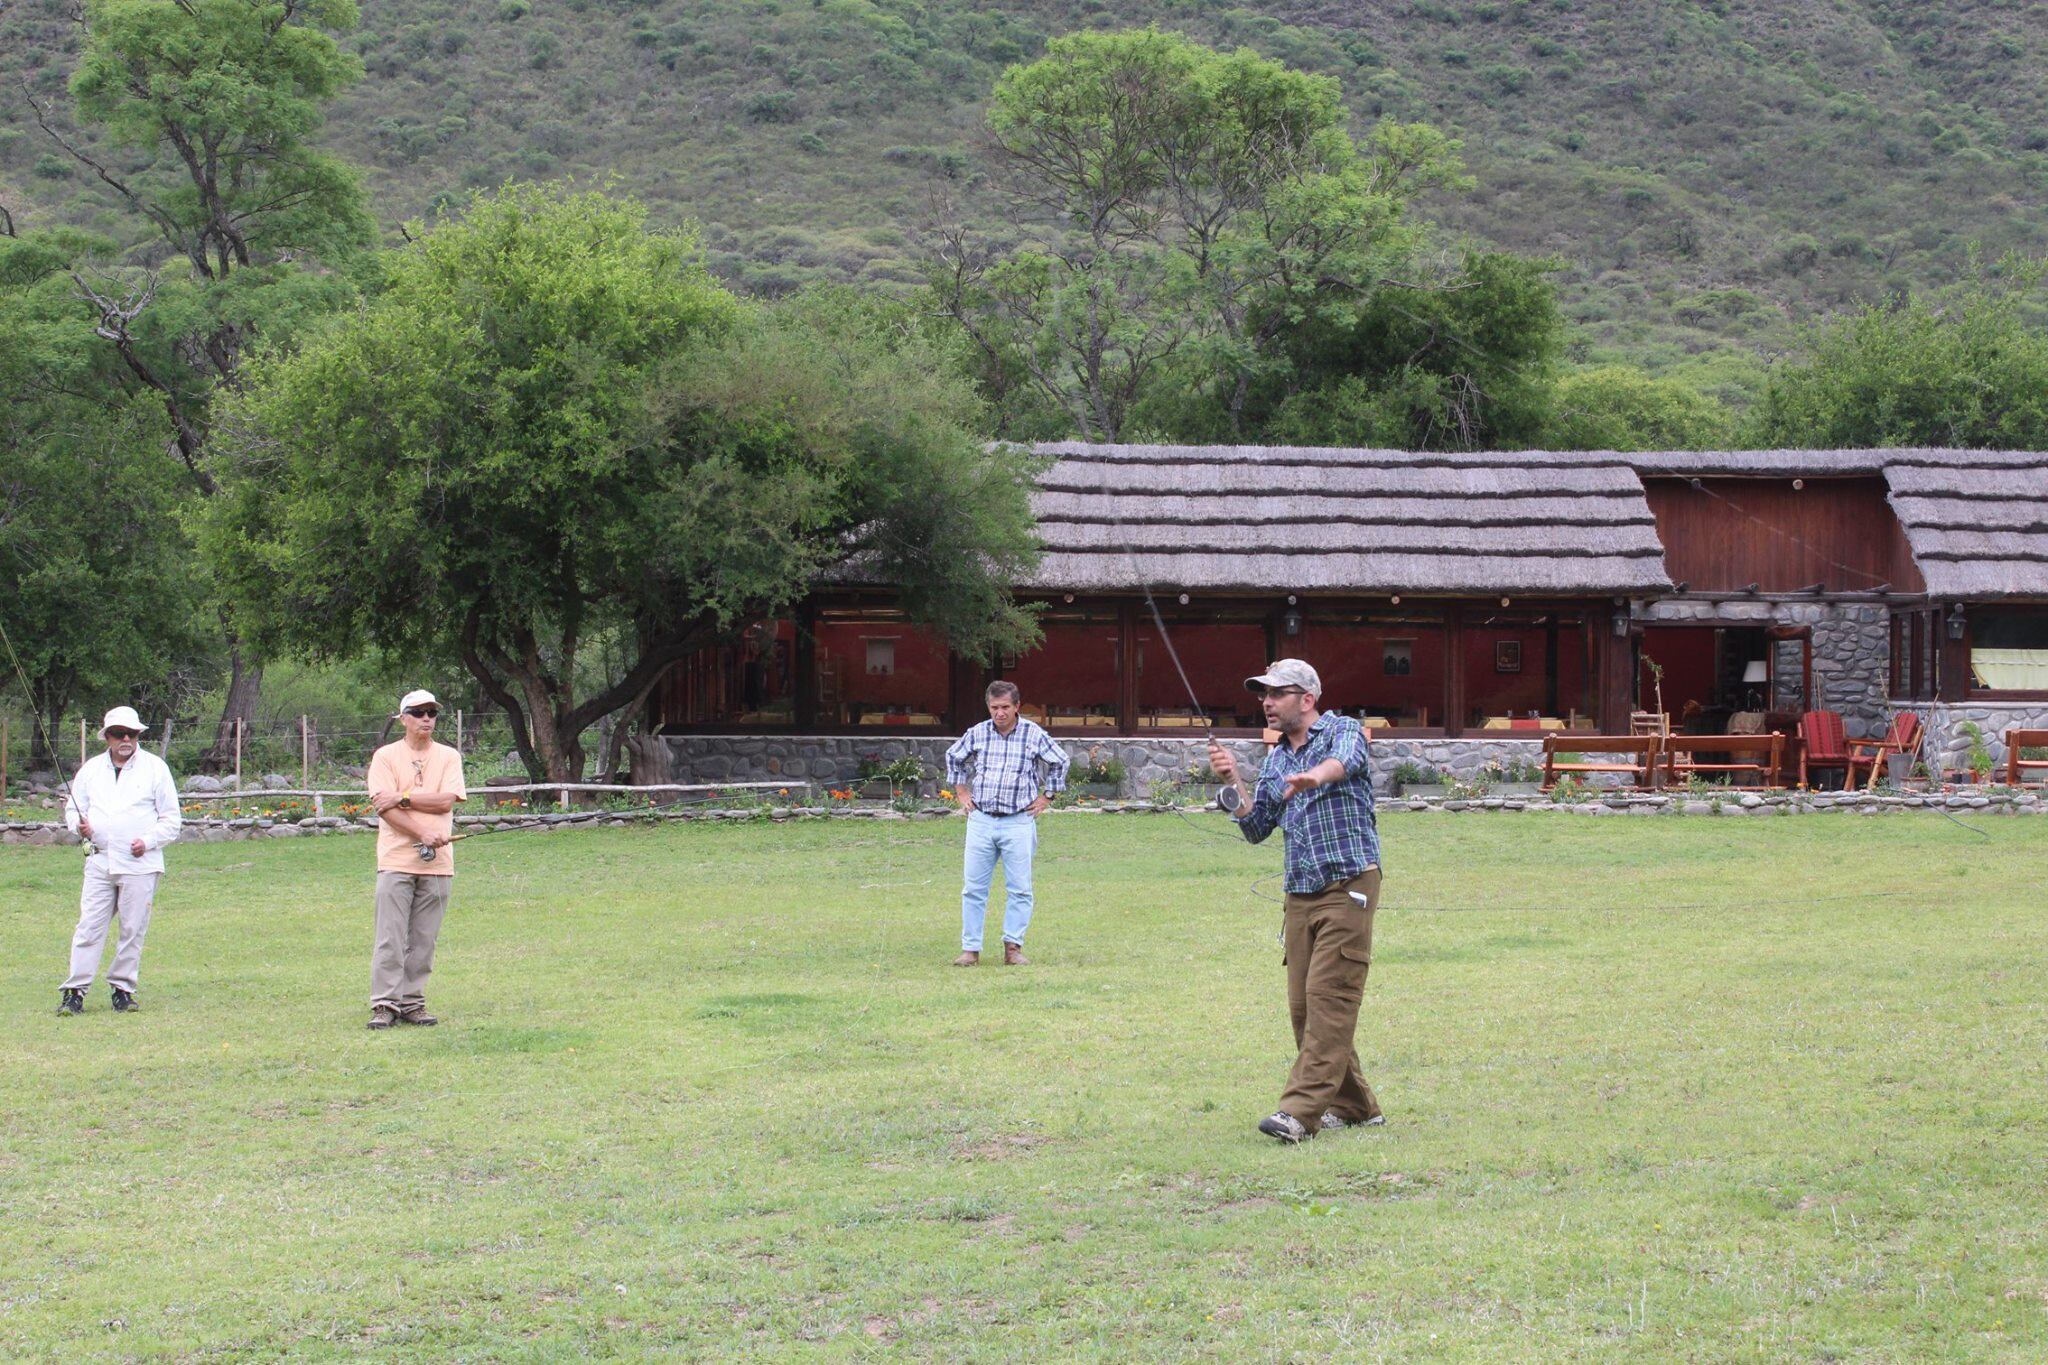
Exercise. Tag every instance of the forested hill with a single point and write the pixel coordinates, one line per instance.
(1710, 173)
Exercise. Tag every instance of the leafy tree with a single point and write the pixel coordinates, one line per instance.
(1973, 372)
(233, 209)
(1195, 206)
(552, 426)
(1618, 407)
(1466, 363)
(98, 581)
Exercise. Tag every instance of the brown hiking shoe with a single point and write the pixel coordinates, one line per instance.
(382, 1018)
(1013, 956)
(969, 958)
(417, 1015)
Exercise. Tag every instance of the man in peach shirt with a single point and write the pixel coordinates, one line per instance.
(414, 785)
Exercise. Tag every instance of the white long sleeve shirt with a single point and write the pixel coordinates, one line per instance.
(138, 802)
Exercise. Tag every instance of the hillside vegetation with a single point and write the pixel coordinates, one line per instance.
(1709, 174)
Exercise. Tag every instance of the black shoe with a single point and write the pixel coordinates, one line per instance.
(124, 1001)
(71, 1002)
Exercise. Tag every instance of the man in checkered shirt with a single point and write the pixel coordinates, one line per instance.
(1316, 790)
(1005, 771)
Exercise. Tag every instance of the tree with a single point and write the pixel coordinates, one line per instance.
(1618, 407)
(98, 581)
(1193, 206)
(215, 102)
(1465, 364)
(1972, 372)
(553, 424)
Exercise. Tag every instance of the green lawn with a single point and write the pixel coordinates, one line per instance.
(1675, 1089)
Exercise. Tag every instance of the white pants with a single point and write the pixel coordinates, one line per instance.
(128, 894)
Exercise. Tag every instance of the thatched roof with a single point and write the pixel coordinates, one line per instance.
(1976, 520)
(1278, 518)
(1281, 518)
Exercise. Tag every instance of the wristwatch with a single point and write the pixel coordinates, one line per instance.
(406, 801)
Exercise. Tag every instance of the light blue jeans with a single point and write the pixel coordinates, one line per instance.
(1013, 839)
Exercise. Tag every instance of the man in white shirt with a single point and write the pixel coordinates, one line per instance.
(124, 805)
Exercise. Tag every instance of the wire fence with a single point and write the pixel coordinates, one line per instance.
(306, 751)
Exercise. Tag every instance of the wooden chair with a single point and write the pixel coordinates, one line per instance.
(1902, 738)
(2017, 768)
(1649, 722)
(1756, 756)
(1632, 754)
(1823, 743)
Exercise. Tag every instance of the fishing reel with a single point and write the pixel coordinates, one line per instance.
(427, 852)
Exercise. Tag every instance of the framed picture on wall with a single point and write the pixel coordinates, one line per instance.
(1397, 658)
(1507, 656)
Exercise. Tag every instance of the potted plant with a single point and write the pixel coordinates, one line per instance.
(1098, 777)
(894, 780)
(1979, 756)
(1516, 777)
(1418, 779)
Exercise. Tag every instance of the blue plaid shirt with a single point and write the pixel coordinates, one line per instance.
(1008, 770)
(1329, 829)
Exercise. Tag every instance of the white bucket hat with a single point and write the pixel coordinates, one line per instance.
(122, 718)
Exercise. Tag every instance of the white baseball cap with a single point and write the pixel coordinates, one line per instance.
(122, 718)
(419, 696)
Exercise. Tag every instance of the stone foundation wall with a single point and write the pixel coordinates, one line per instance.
(834, 760)
(1948, 744)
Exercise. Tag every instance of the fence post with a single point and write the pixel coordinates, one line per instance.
(81, 741)
(458, 732)
(238, 756)
(3, 756)
(305, 754)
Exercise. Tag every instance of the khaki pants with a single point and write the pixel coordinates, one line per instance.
(409, 911)
(106, 894)
(1329, 948)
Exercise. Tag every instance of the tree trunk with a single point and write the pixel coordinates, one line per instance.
(245, 689)
(653, 761)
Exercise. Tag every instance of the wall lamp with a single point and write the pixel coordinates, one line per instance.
(1956, 621)
(1290, 621)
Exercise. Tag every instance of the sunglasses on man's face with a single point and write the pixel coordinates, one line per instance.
(124, 734)
(1277, 692)
(423, 712)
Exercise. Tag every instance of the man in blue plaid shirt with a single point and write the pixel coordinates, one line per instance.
(1316, 790)
(1005, 771)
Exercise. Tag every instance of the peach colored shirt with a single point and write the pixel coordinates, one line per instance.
(402, 769)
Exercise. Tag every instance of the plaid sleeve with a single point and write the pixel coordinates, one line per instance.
(1350, 746)
(1264, 815)
(956, 760)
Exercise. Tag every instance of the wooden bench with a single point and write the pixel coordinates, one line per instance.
(2017, 768)
(1632, 754)
(1757, 756)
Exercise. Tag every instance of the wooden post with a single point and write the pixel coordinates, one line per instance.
(305, 754)
(458, 732)
(81, 742)
(238, 758)
(3, 757)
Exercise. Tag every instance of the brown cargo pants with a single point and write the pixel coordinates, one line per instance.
(1328, 939)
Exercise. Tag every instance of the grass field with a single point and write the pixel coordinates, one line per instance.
(1665, 1089)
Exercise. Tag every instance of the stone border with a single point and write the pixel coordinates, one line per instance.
(1982, 801)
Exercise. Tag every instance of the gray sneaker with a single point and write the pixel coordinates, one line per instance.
(1285, 1127)
(1332, 1119)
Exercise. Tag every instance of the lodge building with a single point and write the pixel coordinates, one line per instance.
(1459, 604)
